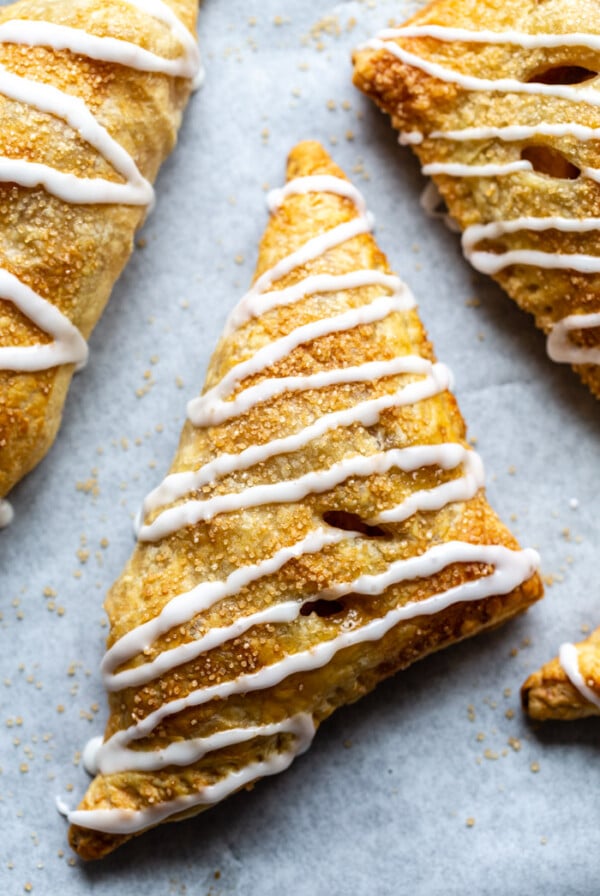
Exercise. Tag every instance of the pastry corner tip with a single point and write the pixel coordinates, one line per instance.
(80, 844)
(360, 58)
(309, 157)
(89, 846)
(525, 692)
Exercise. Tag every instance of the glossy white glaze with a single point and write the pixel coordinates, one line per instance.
(128, 821)
(292, 490)
(183, 607)
(527, 40)
(508, 568)
(111, 759)
(457, 169)
(569, 660)
(462, 488)
(6, 514)
(511, 568)
(436, 379)
(317, 183)
(210, 409)
(68, 346)
(254, 304)
(560, 348)
(434, 206)
(492, 262)
(588, 95)
(512, 133)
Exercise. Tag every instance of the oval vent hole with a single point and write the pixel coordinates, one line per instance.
(564, 74)
(322, 608)
(546, 160)
(351, 522)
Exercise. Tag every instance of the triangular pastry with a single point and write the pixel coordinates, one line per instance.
(323, 525)
(500, 102)
(568, 687)
(91, 98)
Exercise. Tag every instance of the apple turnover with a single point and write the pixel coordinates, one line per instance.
(568, 687)
(500, 101)
(323, 525)
(91, 98)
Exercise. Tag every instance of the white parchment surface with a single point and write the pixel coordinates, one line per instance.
(435, 784)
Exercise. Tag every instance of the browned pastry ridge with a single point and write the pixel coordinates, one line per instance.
(549, 693)
(548, 171)
(186, 557)
(69, 253)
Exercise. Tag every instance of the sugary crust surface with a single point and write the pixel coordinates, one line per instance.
(417, 101)
(71, 254)
(211, 550)
(549, 694)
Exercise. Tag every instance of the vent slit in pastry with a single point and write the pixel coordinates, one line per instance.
(545, 160)
(77, 100)
(261, 594)
(322, 607)
(431, 76)
(564, 74)
(351, 522)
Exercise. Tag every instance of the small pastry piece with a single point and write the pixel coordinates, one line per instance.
(500, 101)
(91, 98)
(568, 687)
(323, 525)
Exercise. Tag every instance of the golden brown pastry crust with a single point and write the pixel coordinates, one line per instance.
(72, 254)
(180, 561)
(417, 101)
(550, 694)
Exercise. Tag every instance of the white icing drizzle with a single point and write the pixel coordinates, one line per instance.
(313, 248)
(436, 380)
(587, 95)
(512, 133)
(317, 183)
(559, 347)
(129, 821)
(254, 304)
(32, 33)
(457, 169)
(68, 346)
(509, 568)
(293, 490)
(434, 206)
(185, 606)
(210, 410)
(569, 660)
(483, 36)
(111, 759)
(6, 513)
(90, 755)
(491, 263)
(562, 349)
(448, 457)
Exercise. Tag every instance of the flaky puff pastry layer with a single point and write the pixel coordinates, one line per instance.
(71, 254)
(211, 550)
(421, 103)
(550, 694)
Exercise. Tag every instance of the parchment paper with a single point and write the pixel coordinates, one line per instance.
(416, 789)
